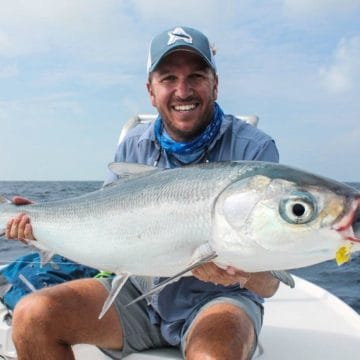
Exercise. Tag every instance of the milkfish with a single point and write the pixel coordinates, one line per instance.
(255, 216)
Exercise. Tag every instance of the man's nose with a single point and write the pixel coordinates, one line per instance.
(184, 89)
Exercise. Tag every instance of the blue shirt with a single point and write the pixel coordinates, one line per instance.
(236, 140)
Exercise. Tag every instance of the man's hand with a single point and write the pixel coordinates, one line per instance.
(230, 276)
(261, 283)
(19, 227)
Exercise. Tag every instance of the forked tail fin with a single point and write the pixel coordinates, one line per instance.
(3, 200)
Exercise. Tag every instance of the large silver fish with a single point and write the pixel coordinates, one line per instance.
(255, 216)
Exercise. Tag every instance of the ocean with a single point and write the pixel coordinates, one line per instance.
(343, 281)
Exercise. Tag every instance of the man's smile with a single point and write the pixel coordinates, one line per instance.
(183, 108)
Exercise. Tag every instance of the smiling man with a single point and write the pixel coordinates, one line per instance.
(215, 314)
(183, 88)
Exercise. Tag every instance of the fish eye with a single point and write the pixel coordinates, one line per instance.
(299, 208)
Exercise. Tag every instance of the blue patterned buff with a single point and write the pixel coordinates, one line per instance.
(199, 143)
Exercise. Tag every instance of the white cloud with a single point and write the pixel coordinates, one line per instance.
(40, 111)
(5, 43)
(86, 77)
(180, 12)
(344, 72)
(88, 29)
(52, 12)
(8, 71)
(318, 7)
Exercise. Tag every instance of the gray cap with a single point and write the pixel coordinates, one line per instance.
(179, 38)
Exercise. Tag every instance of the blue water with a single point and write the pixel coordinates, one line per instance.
(343, 281)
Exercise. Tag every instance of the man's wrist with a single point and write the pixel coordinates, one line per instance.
(244, 280)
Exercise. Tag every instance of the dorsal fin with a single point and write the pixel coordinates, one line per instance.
(130, 170)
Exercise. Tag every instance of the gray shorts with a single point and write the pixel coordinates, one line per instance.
(140, 334)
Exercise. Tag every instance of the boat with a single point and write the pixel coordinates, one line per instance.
(306, 322)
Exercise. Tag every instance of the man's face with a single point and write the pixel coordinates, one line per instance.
(183, 89)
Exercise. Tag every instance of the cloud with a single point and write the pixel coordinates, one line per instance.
(8, 71)
(74, 71)
(83, 29)
(319, 7)
(179, 12)
(86, 77)
(5, 43)
(343, 74)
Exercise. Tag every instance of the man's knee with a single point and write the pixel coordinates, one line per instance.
(222, 331)
(32, 312)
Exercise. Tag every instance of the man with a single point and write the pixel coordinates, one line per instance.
(217, 314)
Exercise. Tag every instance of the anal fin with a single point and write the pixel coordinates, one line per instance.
(198, 261)
(116, 285)
(44, 253)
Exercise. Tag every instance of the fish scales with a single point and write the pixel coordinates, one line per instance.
(152, 223)
(151, 211)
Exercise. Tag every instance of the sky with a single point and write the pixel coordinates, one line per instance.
(73, 72)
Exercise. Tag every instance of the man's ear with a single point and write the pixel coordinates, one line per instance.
(150, 92)
(216, 84)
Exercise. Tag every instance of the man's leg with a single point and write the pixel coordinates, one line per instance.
(221, 331)
(48, 322)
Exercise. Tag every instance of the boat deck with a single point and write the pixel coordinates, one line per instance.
(302, 323)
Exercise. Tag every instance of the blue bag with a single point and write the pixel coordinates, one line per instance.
(29, 266)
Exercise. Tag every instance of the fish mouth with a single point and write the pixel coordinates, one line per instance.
(349, 226)
(356, 224)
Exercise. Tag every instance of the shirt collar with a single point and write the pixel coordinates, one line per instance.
(149, 133)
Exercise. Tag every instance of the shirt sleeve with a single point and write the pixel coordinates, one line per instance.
(267, 152)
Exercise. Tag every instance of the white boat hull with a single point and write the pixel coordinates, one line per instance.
(302, 323)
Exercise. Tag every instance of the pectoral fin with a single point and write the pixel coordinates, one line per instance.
(116, 285)
(200, 261)
(45, 257)
(44, 253)
(284, 276)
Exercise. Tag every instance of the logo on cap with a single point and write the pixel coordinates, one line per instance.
(179, 34)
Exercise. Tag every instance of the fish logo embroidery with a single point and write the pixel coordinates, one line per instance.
(179, 34)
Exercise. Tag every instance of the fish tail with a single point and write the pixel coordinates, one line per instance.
(3, 201)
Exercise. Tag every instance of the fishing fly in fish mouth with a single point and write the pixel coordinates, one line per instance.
(351, 223)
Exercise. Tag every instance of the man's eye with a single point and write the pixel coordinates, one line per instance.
(169, 78)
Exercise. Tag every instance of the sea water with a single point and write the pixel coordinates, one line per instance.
(343, 281)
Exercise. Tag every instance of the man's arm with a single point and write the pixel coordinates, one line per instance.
(261, 283)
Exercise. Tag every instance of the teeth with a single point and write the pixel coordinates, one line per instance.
(184, 107)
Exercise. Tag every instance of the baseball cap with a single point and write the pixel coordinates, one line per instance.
(179, 38)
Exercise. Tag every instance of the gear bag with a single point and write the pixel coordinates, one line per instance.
(26, 274)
